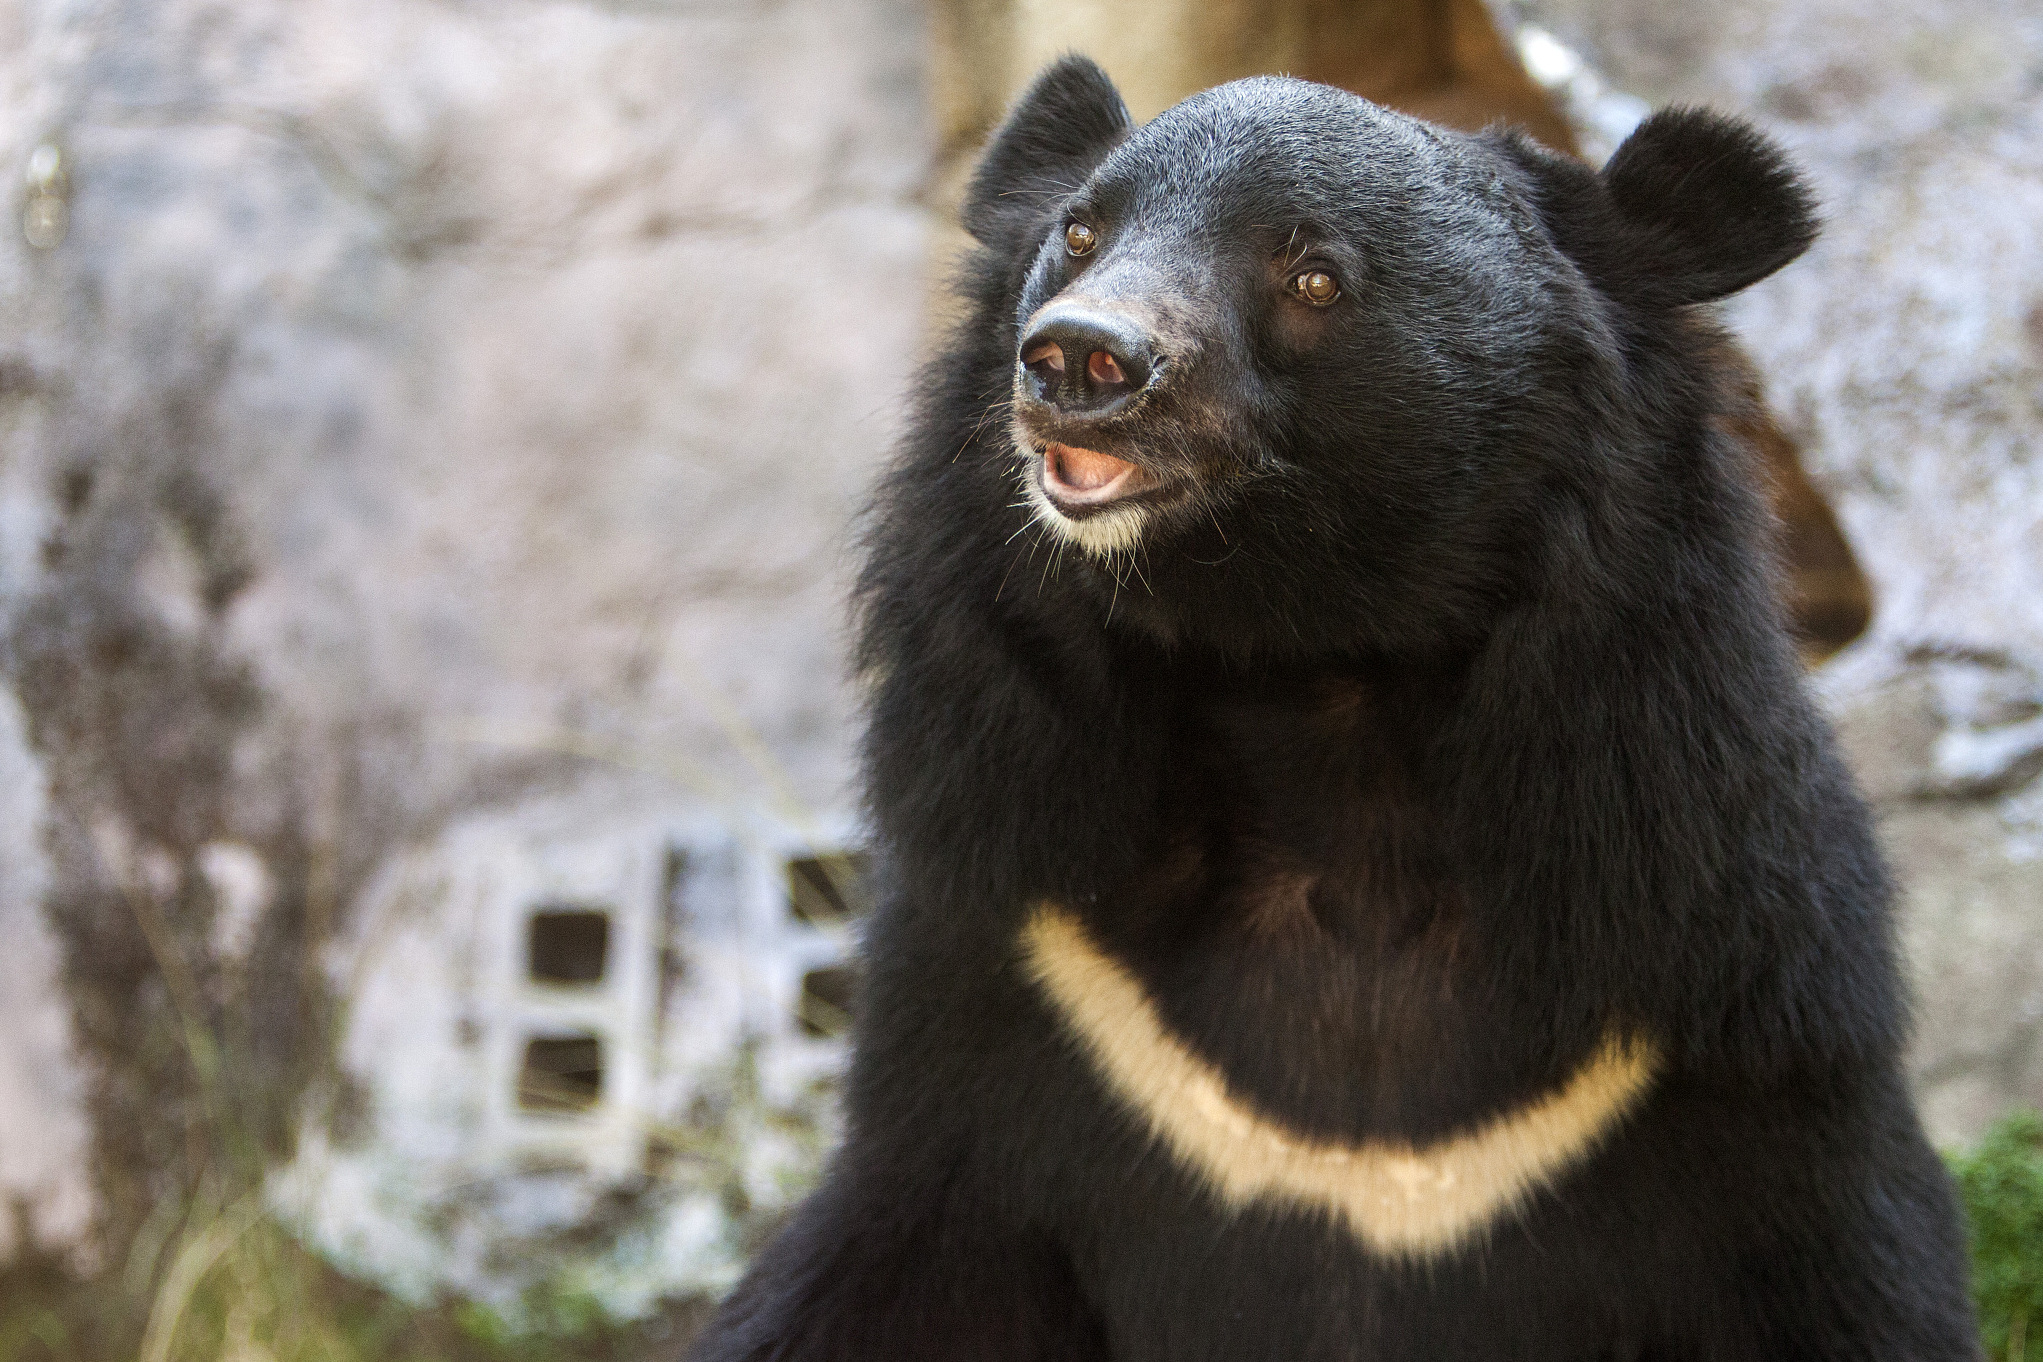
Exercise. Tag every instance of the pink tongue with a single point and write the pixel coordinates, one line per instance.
(1086, 469)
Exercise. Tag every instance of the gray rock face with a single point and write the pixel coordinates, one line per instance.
(42, 1121)
(409, 411)
(1907, 351)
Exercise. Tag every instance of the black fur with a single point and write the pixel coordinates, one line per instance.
(1047, 146)
(1442, 722)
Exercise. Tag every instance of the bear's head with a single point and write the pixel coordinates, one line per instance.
(1290, 371)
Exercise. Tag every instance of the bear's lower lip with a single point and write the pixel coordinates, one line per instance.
(1077, 477)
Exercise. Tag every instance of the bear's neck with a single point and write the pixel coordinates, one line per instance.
(1322, 760)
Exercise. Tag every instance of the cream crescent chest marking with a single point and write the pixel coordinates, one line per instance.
(1398, 1200)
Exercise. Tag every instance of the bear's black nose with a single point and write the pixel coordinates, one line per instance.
(1085, 363)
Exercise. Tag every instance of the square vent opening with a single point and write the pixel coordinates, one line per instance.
(829, 888)
(562, 1075)
(826, 1002)
(568, 944)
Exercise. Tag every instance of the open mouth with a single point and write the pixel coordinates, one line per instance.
(1084, 479)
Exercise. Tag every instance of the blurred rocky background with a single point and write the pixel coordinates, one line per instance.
(429, 437)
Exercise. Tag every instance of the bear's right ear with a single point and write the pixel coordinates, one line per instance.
(1064, 124)
(1692, 207)
(1712, 203)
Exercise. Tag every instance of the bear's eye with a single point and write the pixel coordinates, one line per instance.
(1316, 287)
(1080, 239)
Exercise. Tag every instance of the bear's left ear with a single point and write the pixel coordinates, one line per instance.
(1064, 124)
(1708, 203)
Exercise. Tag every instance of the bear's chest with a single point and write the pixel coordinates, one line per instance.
(1342, 990)
(1297, 1001)
(1303, 924)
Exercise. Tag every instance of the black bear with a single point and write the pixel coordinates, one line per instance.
(1361, 875)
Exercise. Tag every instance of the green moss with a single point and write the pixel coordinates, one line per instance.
(2001, 1183)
